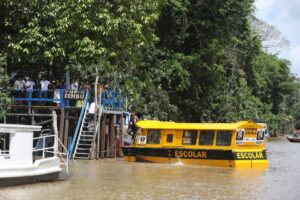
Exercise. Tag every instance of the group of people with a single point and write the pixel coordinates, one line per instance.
(28, 84)
(26, 87)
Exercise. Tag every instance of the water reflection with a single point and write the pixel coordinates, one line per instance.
(117, 179)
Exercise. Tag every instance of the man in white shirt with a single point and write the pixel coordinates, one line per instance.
(91, 115)
(44, 87)
(19, 84)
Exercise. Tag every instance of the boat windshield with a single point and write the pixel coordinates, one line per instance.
(4, 144)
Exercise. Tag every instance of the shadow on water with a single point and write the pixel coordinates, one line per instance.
(117, 179)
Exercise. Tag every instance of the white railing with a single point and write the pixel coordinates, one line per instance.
(64, 156)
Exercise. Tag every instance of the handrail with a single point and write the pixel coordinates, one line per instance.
(111, 100)
(31, 99)
(55, 151)
(99, 115)
(64, 161)
(80, 131)
(79, 125)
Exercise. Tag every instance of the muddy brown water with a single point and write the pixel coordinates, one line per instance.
(117, 179)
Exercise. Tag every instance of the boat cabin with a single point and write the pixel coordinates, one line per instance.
(16, 142)
(25, 159)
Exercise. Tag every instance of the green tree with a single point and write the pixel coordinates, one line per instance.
(79, 33)
(4, 88)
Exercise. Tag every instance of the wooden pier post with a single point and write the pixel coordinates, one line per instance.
(111, 136)
(99, 137)
(31, 111)
(61, 126)
(107, 138)
(122, 130)
(66, 131)
(54, 126)
(102, 139)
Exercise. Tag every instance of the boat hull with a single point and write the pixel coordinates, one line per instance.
(219, 158)
(292, 139)
(13, 181)
(41, 170)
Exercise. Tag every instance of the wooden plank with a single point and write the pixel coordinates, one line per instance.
(37, 107)
(29, 115)
(45, 122)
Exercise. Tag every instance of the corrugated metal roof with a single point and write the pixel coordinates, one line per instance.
(152, 124)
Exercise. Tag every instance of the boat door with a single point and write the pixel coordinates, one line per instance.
(170, 138)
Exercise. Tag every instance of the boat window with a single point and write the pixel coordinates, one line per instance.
(260, 135)
(224, 138)
(189, 137)
(170, 138)
(153, 137)
(206, 137)
(4, 143)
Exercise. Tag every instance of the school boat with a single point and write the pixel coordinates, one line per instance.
(239, 145)
(24, 159)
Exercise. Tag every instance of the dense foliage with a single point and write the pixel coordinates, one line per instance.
(183, 60)
(4, 87)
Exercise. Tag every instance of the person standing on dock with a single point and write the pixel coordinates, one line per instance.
(28, 83)
(56, 95)
(28, 86)
(91, 116)
(132, 124)
(44, 87)
(18, 86)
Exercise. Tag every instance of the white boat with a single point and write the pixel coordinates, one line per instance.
(24, 159)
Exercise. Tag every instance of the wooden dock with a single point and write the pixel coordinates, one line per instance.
(38, 111)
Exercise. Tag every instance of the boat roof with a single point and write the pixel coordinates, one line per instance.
(11, 128)
(153, 124)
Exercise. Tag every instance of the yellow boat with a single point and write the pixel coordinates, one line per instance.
(239, 145)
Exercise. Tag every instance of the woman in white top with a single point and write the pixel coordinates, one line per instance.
(28, 84)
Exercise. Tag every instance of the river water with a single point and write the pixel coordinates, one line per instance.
(117, 179)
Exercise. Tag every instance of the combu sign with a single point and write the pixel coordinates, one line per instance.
(74, 94)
